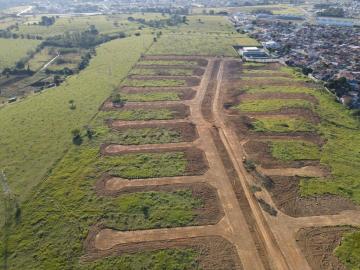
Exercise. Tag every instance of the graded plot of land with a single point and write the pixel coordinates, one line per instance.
(168, 71)
(283, 153)
(19, 50)
(138, 94)
(176, 63)
(338, 129)
(153, 82)
(152, 164)
(149, 133)
(151, 96)
(281, 125)
(145, 112)
(202, 205)
(320, 244)
(206, 253)
(294, 150)
(194, 44)
(272, 105)
(288, 198)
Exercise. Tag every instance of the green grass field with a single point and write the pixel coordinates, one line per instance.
(195, 44)
(19, 49)
(36, 143)
(135, 136)
(294, 150)
(282, 125)
(265, 105)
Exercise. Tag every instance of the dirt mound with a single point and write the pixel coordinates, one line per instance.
(206, 105)
(208, 214)
(318, 245)
(215, 253)
(260, 153)
(286, 196)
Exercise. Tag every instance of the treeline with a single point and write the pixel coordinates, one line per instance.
(174, 20)
(332, 12)
(8, 34)
(87, 39)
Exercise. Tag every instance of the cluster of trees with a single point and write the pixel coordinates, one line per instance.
(172, 21)
(9, 34)
(262, 11)
(163, 10)
(87, 39)
(339, 86)
(332, 12)
(47, 21)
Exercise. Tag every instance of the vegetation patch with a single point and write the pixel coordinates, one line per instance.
(294, 150)
(349, 250)
(282, 125)
(272, 105)
(147, 210)
(154, 83)
(135, 136)
(145, 165)
(172, 258)
(162, 72)
(151, 96)
(194, 44)
(168, 62)
(138, 114)
(20, 48)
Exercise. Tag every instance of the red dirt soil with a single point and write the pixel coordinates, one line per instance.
(318, 245)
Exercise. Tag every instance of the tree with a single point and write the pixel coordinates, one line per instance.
(72, 104)
(118, 101)
(76, 136)
(89, 132)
